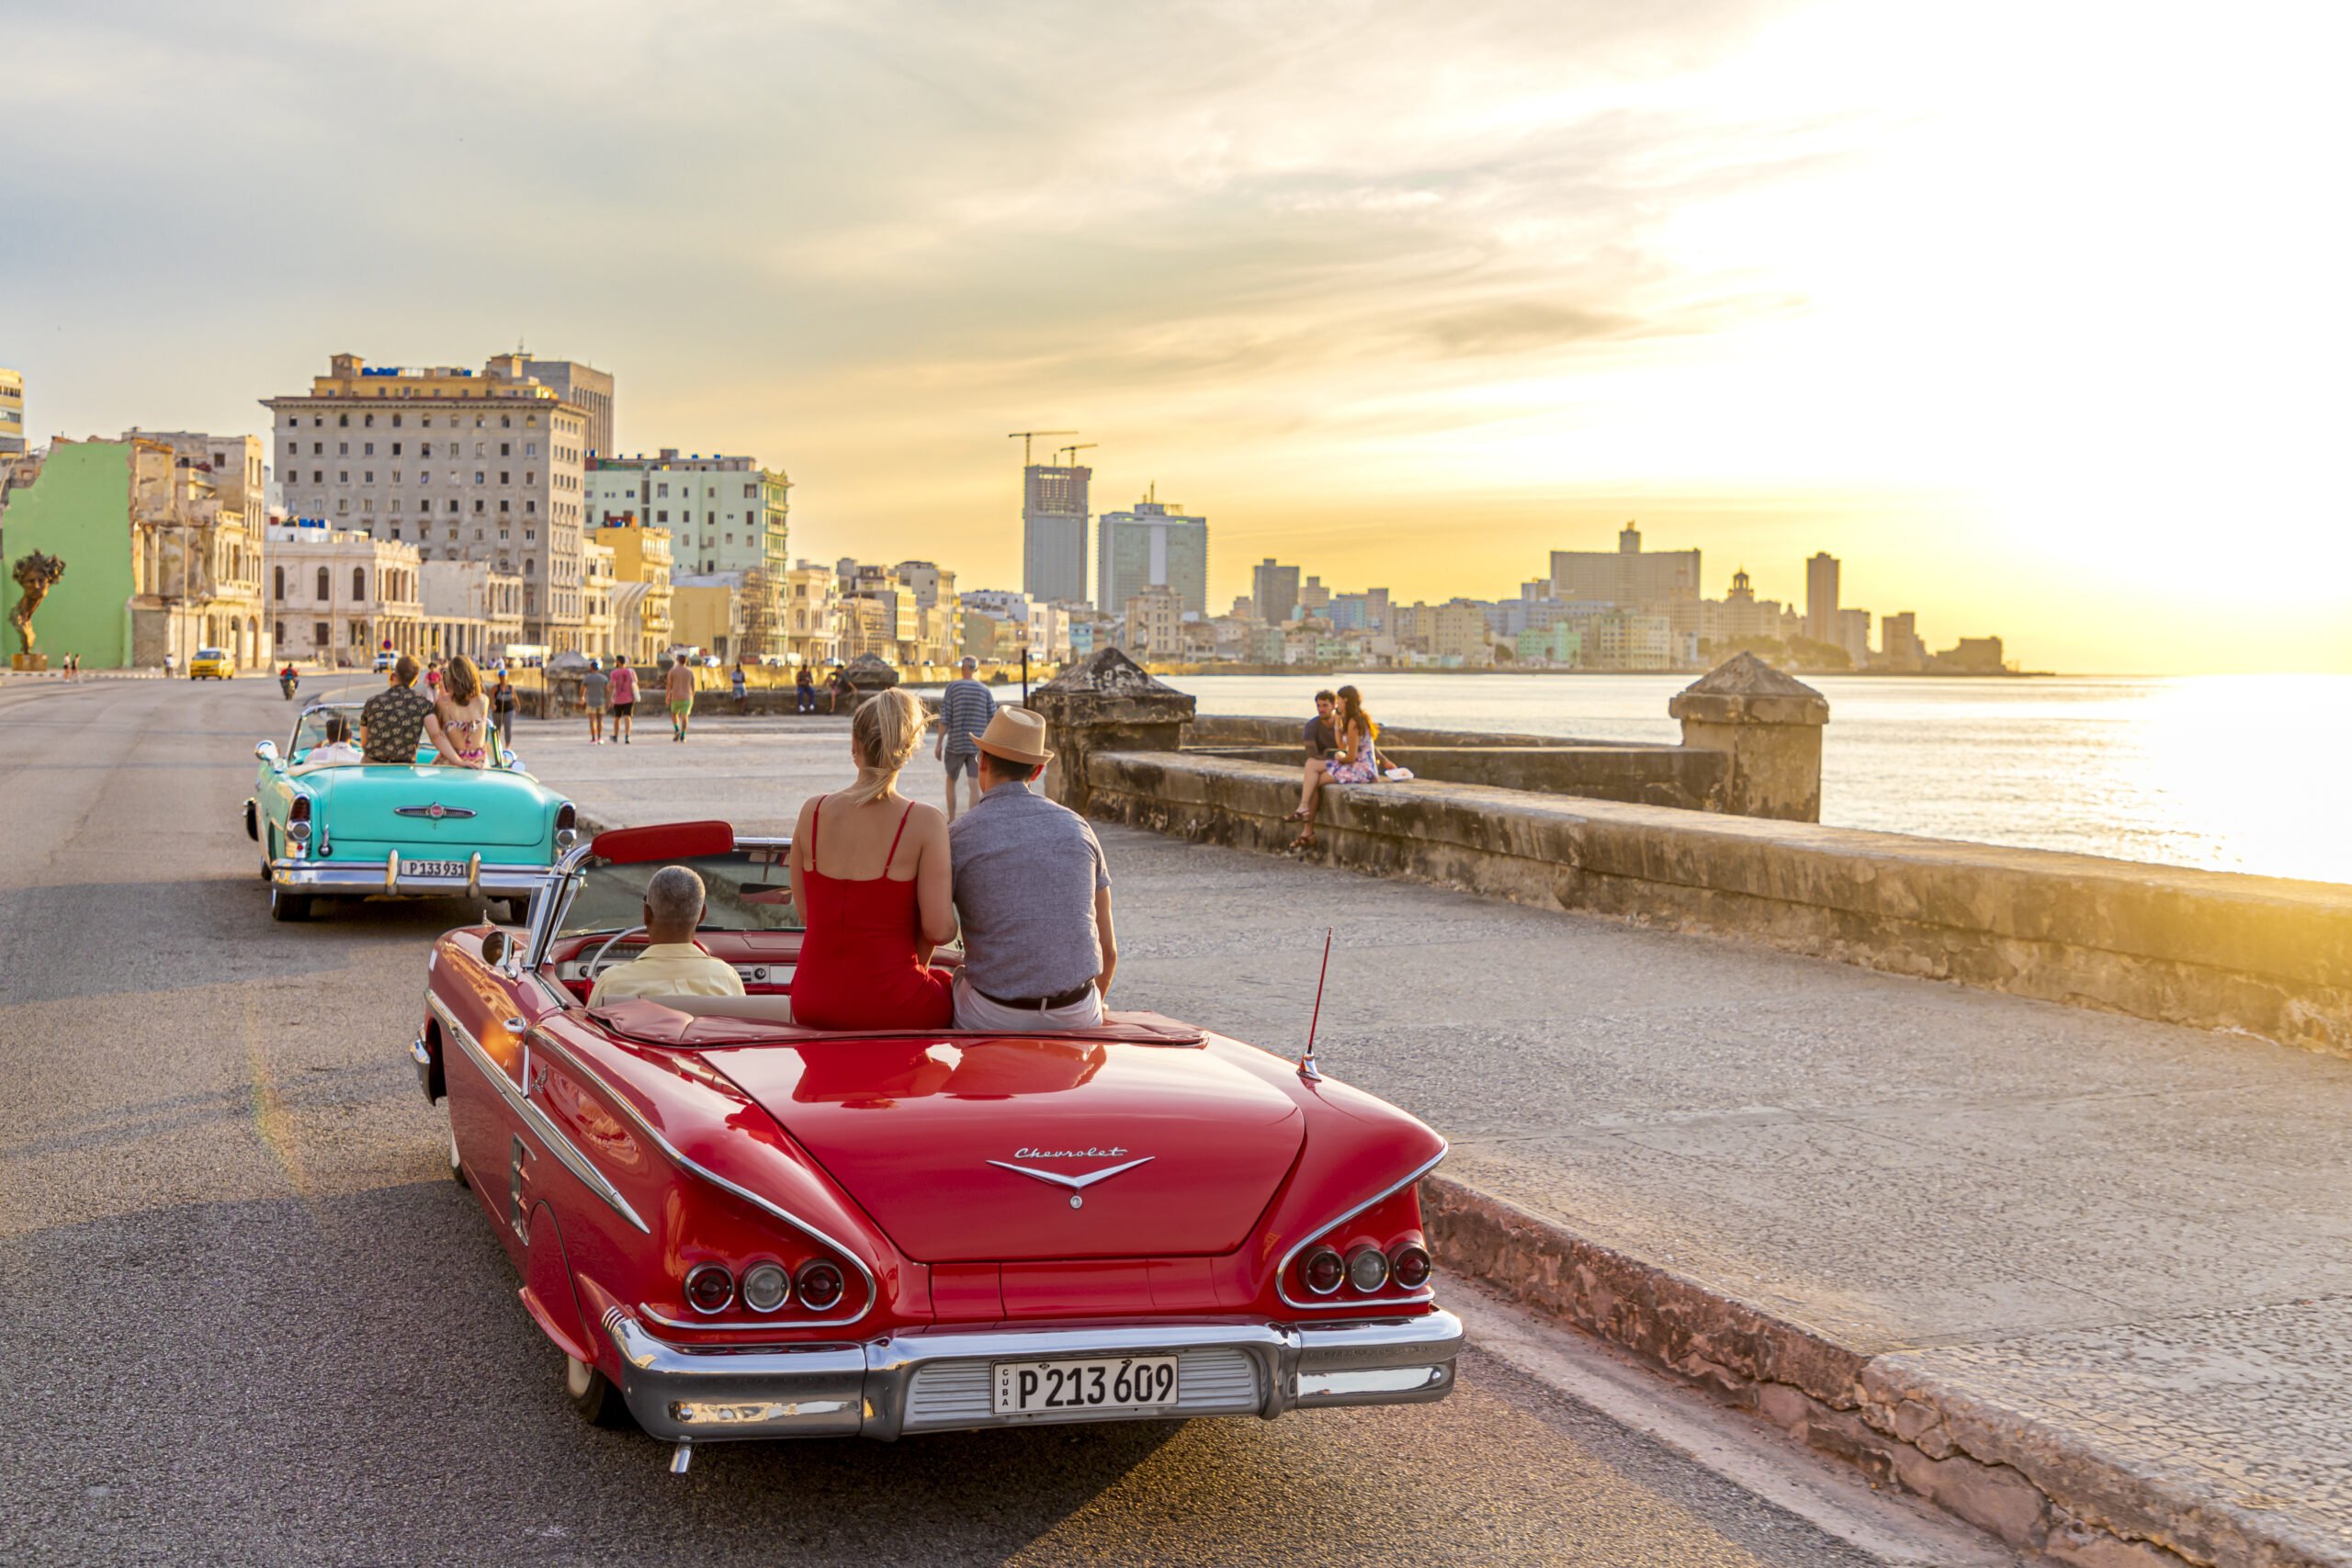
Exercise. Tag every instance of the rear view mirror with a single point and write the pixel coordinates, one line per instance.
(508, 761)
(493, 946)
(268, 753)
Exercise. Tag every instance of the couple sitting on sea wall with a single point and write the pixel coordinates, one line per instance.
(880, 880)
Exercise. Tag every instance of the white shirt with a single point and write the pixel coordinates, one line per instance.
(332, 752)
(667, 968)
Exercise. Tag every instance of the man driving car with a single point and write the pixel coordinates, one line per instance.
(669, 963)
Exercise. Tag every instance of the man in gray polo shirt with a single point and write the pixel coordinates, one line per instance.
(1033, 893)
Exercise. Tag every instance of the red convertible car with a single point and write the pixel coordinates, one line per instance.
(736, 1227)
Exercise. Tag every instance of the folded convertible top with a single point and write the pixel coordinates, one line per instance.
(652, 1023)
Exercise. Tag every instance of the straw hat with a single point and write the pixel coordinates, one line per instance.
(1016, 735)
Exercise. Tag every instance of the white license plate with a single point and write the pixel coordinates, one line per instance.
(1121, 1382)
(433, 868)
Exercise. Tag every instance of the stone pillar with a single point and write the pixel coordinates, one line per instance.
(1771, 724)
(1104, 704)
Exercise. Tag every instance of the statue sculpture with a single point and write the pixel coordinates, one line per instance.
(36, 574)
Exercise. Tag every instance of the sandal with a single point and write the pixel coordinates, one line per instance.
(1303, 840)
(1301, 815)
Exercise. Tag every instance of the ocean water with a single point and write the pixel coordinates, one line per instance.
(2229, 773)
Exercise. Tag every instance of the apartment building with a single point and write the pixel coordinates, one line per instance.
(458, 465)
(723, 513)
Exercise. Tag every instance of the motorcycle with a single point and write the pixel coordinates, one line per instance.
(288, 683)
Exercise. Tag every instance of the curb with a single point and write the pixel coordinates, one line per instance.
(2035, 1485)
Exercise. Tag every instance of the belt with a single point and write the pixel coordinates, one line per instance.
(1041, 1004)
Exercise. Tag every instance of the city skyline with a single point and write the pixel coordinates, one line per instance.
(1770, 279)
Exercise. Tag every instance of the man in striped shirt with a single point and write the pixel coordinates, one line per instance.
(965, 709)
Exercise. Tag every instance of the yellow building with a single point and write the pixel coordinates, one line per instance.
(706, 613)
(642, 592)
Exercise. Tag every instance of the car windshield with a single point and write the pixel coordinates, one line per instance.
(210, 653)
(748, 889)
(313, 729)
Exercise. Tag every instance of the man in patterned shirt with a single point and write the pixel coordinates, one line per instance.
(397, 717)
(965, 709)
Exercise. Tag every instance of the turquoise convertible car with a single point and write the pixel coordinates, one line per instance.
(401, 829)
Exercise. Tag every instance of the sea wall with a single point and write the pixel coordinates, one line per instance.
(2210, 949)
(1685, 777)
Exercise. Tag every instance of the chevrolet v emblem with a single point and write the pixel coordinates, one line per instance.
(1077, 1184)
(435, 811)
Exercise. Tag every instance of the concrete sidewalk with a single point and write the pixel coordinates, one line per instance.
(2080, 1278)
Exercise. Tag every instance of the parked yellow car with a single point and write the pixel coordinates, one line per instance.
(213, 662)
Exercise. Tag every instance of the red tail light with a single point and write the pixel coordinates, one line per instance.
(820, 1284)
(709, 1287)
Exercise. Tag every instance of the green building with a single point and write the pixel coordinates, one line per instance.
(159, 556)
(78, 508)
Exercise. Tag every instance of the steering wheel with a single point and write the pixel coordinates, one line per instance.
(596, 965)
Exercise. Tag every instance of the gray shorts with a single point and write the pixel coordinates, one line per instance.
(969, 763)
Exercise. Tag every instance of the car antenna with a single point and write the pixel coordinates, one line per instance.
(1306, 1069)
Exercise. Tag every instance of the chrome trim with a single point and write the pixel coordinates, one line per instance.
(364, 877)
(423, 1053)
(435, 811)
(800, 1279)
(1350, 1263)
(709, 1326)
(393, 871)
(830, 1389)
(566, 1152)
(473, 876)
(1281, 1272)
(678, 1158)
(1076, 1184)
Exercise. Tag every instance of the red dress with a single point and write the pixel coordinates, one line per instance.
(857, 968)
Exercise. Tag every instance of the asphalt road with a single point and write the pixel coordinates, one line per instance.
(246, 1317)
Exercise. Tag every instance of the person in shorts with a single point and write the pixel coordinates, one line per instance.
(595, 691)
(965, 709)
(623, 700)
(679, 689)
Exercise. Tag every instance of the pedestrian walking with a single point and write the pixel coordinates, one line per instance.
(596, 688)
(742, 697)
(623, 700)
(965, 709)
(680, 690)
(501, 709)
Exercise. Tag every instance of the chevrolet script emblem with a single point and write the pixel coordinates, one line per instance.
(1077, 1184)
(435, 811)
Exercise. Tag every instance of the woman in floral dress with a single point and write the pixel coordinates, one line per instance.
(1356, 761)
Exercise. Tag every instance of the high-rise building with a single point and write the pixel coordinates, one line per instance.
(12, 414)
(723, 513)
(1820, 597)
(1275, 589)
(464, 465)
(1854, 635)
(1627, 575)
(1898, 641)
(585, 389)
(1153, 545)
(1053, 532)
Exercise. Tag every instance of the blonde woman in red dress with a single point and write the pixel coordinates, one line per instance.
(870, 877)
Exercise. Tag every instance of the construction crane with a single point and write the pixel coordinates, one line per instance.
(1072, 451)
(1026, 436)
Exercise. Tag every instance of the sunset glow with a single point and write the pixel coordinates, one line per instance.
(2033, 314)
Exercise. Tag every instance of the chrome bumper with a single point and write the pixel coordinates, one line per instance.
(360, 878)
(940, 1381)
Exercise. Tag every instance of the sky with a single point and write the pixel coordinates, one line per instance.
(2034, 314)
